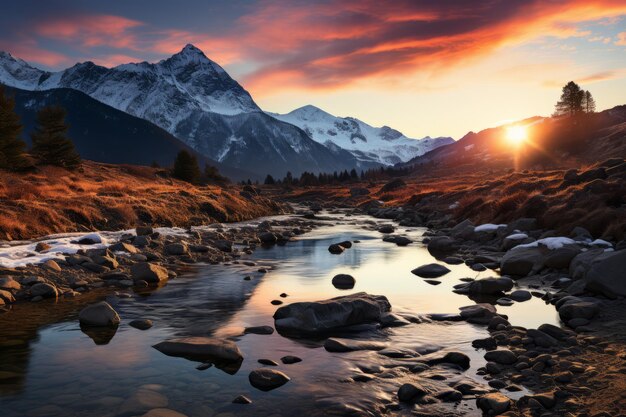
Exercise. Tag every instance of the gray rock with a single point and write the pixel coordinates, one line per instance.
(520, 295)
(430, 271)
(203, 349)
(456, 358)
(607, 274)
(335, 313)
(542, 339)
(99, 314)
(490, 285)
(267, 379)
(521, 261)
(575, 308)
(562, 257)
(398, 240)
(478, 311)
(224, 245)
(289, 359)
(582, 262)
(242, 399)
(268, 238)
(148, 272)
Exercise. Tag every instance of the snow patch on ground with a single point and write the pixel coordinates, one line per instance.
(517, 236)
(549, 242)
(488, 227)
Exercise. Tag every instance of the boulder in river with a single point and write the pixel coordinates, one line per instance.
(398, 240)
(45, 290)
(267, 379)
(202, 349)
(336, 249)
(348, 345)
(320, 317)
(343, 281)
(487, 286)
(430, 271)
(99, 314)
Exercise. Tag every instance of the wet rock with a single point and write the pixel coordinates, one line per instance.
(386, 228)
(348, 345)
(479, 313)
(242, 399)
(267, 379)
(148, 272)
(259, 330)
(489, 286)
(44, 290)
(409, 392)
(336, 249)
(393, 320)
(268, 238)
(203, 349)
(545, 399)
(327, 315)
(520, 295)
(452, 260)
(141, 324)
(99, 314)
(398, 240)
(343, 281)
(267, 362)
(430, 271)
(456, 358)
(521, 261)
(432, 281)
(503, 356)
(493, 403)
(488, 343)
(289, 359)
(555, 332)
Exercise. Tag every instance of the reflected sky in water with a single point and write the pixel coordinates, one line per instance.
(52, 368)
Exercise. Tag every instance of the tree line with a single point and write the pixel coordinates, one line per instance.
(50, 144)
(337, 177)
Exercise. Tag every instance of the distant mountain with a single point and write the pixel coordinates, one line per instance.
(552, 142)
(104, 134)
(195, 100)
(382, 145)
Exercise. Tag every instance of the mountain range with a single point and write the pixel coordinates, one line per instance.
(198, 103)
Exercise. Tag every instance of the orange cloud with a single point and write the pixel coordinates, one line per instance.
(91, 30)
(621, 39)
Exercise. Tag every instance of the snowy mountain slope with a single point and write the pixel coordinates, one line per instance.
(367, 143)
(194, 99)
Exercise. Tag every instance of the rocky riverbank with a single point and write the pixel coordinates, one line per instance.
(140, 258)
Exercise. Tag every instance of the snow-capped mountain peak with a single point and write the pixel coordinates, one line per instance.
(369, 144)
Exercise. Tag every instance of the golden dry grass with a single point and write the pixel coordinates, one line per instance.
(112, 197)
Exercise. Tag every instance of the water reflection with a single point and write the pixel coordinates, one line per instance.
(49, 366)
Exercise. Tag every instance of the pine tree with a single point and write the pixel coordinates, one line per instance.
(51, 146)
(186, 167)
(12, 148)
(571, 102)
(269, 180)
(588, 103)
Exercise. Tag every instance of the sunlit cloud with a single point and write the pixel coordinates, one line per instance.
(621, 39)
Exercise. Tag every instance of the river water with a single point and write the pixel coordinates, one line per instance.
(50, 367)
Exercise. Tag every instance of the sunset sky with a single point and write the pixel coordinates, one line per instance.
(423, 67)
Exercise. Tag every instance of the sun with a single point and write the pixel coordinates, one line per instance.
(516, 134)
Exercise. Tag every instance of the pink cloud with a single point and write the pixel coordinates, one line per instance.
(91, 30)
